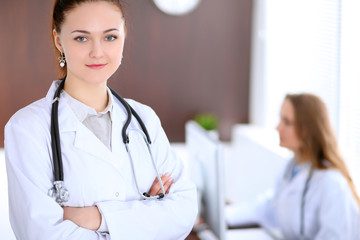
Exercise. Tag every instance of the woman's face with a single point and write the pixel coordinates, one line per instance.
(286, 127)
(92, 39)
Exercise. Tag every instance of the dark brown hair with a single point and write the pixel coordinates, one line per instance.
(61, 7)
(317, 137)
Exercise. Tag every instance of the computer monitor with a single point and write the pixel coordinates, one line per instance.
(206, 163)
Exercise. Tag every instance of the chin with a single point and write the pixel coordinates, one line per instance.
(97, 78)
(284, 145)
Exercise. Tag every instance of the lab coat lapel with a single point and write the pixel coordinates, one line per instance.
(84, 139)
(118, 117)
(299, 180)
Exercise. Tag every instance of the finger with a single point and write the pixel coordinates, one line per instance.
(156, 186)
(170, 182)
(167, 186)
(164, 180)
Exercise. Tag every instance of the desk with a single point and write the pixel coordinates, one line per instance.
(235, 234)
(192, 236)
(248, 234)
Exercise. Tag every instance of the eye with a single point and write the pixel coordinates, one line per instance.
(110, 38)
(81, 39)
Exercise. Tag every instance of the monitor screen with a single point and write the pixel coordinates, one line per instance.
(206, 163)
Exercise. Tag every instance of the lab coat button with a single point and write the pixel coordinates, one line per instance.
(117, 194)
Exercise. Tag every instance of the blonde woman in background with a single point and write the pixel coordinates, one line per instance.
(316, 197)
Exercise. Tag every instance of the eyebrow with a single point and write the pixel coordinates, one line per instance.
(87, 32)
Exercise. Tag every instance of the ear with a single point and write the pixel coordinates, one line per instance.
(57, 41)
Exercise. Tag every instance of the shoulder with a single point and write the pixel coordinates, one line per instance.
(330, 175)
(140, 107)
(335, 193)
(146, 113)
(37, 113)
(32, 116)
(150, 119)
(331, 181)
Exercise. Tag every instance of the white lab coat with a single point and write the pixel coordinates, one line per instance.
(331, 211)
(93, 175)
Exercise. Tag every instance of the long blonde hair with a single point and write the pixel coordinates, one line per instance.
(317, 137)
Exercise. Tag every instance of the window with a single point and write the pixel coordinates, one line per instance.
(309, 46)
(349, 124)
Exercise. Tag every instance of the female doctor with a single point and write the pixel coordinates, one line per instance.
(316, 198)
(74, 171)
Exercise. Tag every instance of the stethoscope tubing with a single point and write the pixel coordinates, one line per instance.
(58, 191)
(145, 195)
(303, 195)
(55, 141)
(130, 111)
(306, 187)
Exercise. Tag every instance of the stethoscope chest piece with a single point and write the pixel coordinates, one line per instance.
(59, 193)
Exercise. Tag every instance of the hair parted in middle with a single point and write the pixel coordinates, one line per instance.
(61, 7)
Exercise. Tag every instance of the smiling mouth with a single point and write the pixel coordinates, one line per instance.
(96, 66)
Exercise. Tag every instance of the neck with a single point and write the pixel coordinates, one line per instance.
(299, 158)
(93, 95)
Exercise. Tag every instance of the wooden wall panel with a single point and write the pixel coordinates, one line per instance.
(178, 65)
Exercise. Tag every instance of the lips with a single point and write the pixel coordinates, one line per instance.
(96, 66)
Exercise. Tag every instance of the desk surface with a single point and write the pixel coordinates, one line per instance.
(248, 234)
(235, 234)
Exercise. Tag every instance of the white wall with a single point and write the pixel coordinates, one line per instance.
(254, 162)
(5, 229)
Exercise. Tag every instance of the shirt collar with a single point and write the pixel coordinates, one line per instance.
(294, 168)
(109, 107)
(82, 111)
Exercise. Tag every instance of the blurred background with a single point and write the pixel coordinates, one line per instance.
(178, 65)
(235, 59)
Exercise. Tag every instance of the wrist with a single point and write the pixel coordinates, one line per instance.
(93, 218)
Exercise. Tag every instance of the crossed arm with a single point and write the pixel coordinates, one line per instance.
(90, 217)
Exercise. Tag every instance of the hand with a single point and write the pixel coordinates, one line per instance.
(85, 217)
(156, 188)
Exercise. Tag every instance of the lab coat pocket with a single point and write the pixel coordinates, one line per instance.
(103, 183)
(91, 179)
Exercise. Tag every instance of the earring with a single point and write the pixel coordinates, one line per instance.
(62, 60)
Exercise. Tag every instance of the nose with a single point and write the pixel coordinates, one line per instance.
(278, 127)
(96, 50)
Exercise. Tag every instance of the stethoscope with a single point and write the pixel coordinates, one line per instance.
(58, 192)
(303, 195)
